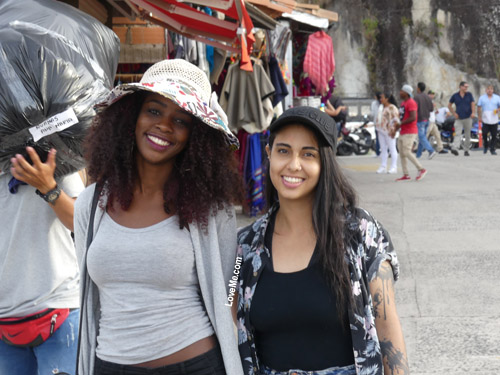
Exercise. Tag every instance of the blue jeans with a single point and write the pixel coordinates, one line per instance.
(422, 138)
(56, 355)
(347, 370)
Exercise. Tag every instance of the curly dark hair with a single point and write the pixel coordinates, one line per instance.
(205, 177)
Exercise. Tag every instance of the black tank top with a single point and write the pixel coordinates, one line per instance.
(296, 321)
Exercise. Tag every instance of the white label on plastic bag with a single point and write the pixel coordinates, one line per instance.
(54, 124)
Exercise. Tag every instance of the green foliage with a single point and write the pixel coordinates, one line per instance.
(438, 24)
(370, 28)
(406, 21)
(424, 32)
(428, 33)
(371, 32)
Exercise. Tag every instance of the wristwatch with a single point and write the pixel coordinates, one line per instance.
(51, 196)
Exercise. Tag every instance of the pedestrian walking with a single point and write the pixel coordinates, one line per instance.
(164, 235)
(408, 133)
(386, 130)
(313, 264)
(39, 282)
(488, 106)
(463, 112)
(375, 107)
(425, 107)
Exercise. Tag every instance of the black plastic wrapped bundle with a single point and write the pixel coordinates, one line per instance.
(56, 63)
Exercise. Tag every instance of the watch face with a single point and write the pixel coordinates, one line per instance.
(53, 196)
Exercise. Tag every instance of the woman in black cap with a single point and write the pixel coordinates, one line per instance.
(316, 285)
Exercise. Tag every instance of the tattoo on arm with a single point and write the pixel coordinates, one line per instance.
(381, 296)
(377, 303)
(396, 360)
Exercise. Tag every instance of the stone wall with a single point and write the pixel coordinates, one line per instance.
(382, 44)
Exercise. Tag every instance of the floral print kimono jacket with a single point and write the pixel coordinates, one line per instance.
(371, 245)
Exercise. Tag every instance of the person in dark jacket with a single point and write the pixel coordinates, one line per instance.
(425, 107)
(464, 111)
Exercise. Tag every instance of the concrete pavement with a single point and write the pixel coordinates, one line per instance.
(446, 230)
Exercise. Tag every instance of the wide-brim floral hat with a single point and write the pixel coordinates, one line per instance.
(187, 86)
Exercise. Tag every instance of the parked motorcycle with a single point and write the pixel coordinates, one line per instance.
(446, 131)
(354, 138)
(362, 137)
(345, 144)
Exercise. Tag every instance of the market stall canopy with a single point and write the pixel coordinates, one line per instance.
(260, 18)
(310, 14)
(233, 34)
(308, 19)
(274, 8)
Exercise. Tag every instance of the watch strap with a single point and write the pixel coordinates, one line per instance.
(51, 196)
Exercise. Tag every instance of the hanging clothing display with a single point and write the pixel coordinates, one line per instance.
(306, 88)
(210, 58)
(281, 91)
(252, 97)
(245, 98)
(250, 157)
(219, 59)
(179, 48)
(255, 175)
(251, 71)
(202, 58)
(190, 50)
(319, 60)
(241, 153)
(299, 44)
(278, 40)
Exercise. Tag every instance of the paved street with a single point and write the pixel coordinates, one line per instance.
(446, 231)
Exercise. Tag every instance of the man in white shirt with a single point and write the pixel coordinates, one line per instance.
(487, 112)
(442, 114)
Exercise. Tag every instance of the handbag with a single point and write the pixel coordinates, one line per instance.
(32, 330)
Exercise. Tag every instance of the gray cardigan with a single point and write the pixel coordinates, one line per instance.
(215, 255)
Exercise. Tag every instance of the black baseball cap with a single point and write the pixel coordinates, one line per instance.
(312, 117)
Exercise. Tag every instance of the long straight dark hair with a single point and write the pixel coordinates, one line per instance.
(334, 202)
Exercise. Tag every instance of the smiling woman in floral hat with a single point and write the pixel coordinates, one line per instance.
(313, 265)
(163, 242)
